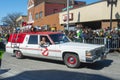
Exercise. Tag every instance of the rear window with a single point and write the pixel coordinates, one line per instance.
(33, 39)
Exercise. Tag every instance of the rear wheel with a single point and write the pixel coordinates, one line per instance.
(18, 54)
(71, 60)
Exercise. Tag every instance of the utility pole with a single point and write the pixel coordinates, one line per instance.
(68, 15)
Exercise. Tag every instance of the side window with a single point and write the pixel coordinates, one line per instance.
(33, 39)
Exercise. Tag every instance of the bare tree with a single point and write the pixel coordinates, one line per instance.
(10, 19)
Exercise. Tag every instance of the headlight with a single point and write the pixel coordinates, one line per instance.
(88, 53)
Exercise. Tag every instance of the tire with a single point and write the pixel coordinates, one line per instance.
(18, 55)
(71, 60)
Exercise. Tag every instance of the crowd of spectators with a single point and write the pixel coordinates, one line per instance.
(83, 34)
(87, 33)
(110, 38)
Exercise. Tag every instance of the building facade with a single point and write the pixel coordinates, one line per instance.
(95, 16)
(45, 13)
(22, 21)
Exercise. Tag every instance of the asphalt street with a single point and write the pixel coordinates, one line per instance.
(45, 69)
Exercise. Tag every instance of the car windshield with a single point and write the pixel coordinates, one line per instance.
(59, 38)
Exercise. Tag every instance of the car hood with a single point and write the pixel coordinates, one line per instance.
(76, 45)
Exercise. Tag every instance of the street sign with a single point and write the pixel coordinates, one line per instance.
(65, 9)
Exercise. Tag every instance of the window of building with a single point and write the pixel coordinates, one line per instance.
(41, 14)
(36, 16)
(33, 39)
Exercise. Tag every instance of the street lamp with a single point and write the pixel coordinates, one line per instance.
(111, 2)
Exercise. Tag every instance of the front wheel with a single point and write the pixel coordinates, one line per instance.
(71, 60)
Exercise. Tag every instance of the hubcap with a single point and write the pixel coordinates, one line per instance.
(18, 54)
(71, 60)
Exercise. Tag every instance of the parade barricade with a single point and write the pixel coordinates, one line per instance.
(110, 43)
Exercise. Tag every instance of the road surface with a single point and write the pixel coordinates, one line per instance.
(44, 69)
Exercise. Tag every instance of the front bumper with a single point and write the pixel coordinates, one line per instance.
(95, 58)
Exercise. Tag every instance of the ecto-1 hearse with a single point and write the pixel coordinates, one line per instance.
(58, 47)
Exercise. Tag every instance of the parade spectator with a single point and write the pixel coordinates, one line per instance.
(71, 35)
(115, 40)
(2, 49)
(86, 36)
(101, 33)
(79, 32)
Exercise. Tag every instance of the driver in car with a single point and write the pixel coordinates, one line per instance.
(43, 41)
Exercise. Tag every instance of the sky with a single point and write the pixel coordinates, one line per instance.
(19, 6)
(12, 6)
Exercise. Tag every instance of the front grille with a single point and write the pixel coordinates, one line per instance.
(98, 52)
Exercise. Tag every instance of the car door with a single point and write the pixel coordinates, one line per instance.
(32, 46)
(49, 49)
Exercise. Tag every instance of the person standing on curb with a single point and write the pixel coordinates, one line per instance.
(1, 53)
(2, 50)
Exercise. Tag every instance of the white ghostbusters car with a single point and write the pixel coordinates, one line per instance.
(57, 47)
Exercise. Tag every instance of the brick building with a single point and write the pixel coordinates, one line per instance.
(45, 13)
